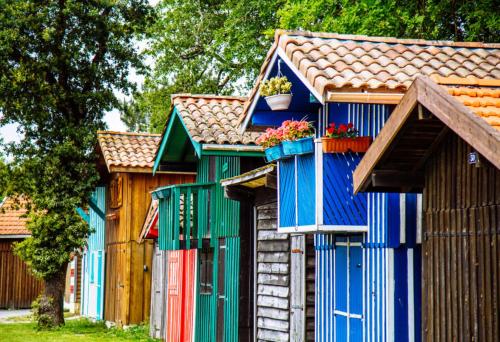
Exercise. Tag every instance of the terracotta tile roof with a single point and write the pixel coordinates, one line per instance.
(482, 97)
(128, 150)
(213, 119)
(332, 61)
(11, 220)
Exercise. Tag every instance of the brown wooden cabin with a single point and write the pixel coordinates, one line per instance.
(126, 161)
(444, 141)
(18, 287)
(282, 266)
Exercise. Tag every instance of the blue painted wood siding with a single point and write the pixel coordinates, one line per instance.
(390, 253)
(341, 207)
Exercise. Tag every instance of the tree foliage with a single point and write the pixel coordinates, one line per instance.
(212, 47)
(218, 46)
(60, 63)
(460, 20)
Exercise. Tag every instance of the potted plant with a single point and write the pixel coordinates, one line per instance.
(298, 137)
(277, 92)
(344, 138)
(271, 140)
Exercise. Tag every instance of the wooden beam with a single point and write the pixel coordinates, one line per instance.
(93, 205)
(397, 179)
(383, 141)
(471, 128)
(83, 215)
(431, 148)
(238, 193)
(271, 181)
(378, 98)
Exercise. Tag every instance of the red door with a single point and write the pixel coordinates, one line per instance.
(181, 273)
(174, 296)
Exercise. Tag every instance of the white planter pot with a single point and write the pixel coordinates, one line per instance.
(279, 102)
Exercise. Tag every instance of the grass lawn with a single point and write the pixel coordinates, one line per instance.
(74, 330)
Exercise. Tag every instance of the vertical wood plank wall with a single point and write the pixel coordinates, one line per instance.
(158, 297)
(18, 287)
(128, 284)
(273, 277)
(461, 263)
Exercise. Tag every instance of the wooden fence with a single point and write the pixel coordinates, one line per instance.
(18, 287)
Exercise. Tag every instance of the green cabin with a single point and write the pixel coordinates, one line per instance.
(208, 238)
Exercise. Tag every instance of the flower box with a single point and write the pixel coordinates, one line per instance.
(274, 153)
(342, 145)
(300, 146)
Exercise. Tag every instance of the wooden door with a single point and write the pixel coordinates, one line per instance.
(189, 294)
(158, 285)
(297, 288)
(348, 305)
(174, 296)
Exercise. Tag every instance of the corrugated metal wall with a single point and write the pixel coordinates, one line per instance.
(231, 291)
(93, 269)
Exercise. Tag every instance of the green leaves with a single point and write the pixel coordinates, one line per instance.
(60, 65)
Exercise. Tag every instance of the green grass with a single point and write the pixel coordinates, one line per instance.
(74, 330)
(29, 318)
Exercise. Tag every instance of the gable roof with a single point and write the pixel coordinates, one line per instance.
(407, 140)
(133, 152)
(212, 119)
(12, 221)
(330, 61)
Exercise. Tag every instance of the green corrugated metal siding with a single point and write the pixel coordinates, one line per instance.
(206, 306)
(227, 214)
(223, 217)
(231, 280)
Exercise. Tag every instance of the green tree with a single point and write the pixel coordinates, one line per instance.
(60, 63)
(212, 47)
(218, 46)
(430, 19)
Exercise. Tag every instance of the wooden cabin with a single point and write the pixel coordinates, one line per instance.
(278, 260)
(18, 286)
(118, 268)
(209, 288)
(444, 140)
(367, 247)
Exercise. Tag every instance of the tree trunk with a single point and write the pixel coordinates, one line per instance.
(50, 310)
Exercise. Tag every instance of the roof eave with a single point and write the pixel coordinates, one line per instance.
(463, 122)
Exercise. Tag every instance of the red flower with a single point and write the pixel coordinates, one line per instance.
(330, 130)
(332, 125)
(350, 125)
(342, 128)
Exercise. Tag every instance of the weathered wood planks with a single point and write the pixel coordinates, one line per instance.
(18, 287)
(461, 262)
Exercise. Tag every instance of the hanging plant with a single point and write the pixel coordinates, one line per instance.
(344, 138)
(277, 92)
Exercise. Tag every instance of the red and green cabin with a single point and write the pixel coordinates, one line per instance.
(209, 284)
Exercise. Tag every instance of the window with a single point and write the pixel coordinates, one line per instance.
(206, 270)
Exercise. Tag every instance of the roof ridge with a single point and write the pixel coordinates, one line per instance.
(378, 39)
(209, 96)
(128, 133)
